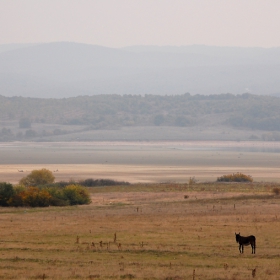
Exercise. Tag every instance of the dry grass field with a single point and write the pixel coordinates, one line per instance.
(150, 229)
(161, 231)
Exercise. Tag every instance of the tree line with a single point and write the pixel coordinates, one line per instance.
(111, 111)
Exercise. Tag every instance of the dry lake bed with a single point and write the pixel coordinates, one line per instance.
(142, 161)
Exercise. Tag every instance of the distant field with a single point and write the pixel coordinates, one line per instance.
(171, 231)
(163, 231)
(142, 161)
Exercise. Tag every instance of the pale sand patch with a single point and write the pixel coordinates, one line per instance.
(136, 173)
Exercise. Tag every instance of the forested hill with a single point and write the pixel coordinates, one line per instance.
(113, 111)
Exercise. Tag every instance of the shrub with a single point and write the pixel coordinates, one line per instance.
(101, 182)
(276, 191)
(76, 194)
(30, 197)
(57, 196)
(16, 199)
(72, 194)
(235, 177)
(54, 201)
(34, 197)
(6, 192)
(38, 177)
(192, 181)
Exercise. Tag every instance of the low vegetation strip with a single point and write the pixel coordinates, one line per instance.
(114, 111)
(42, 197)
(94, 183)
(235, 177)
(148, 239)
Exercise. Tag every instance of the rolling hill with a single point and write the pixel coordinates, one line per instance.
(65, 69)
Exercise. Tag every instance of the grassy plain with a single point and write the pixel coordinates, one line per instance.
(166, 231)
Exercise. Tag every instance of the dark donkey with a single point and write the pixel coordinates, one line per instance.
(246, 240)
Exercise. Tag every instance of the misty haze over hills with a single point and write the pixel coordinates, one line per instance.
(65, 69)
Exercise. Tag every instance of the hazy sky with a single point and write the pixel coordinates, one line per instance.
(117, 23)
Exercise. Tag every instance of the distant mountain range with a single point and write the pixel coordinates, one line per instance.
(65, 69)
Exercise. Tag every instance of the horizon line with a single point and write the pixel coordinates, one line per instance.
(143, 45)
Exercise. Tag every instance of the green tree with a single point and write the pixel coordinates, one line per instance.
(6, 192)
(37, 178)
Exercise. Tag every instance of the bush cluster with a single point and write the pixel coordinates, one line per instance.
(38, 189)
(42, 196)
(235, 177)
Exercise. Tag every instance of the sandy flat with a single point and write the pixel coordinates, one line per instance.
(141, 162)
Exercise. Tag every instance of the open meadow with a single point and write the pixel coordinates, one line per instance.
(159, 227)
(148, 231)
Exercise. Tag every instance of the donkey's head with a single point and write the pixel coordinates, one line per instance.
(237, 236)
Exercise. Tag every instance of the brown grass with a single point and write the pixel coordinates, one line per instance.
(162, 235)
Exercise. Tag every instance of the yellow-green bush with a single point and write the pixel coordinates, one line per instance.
(76, 194)
(37, 178)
